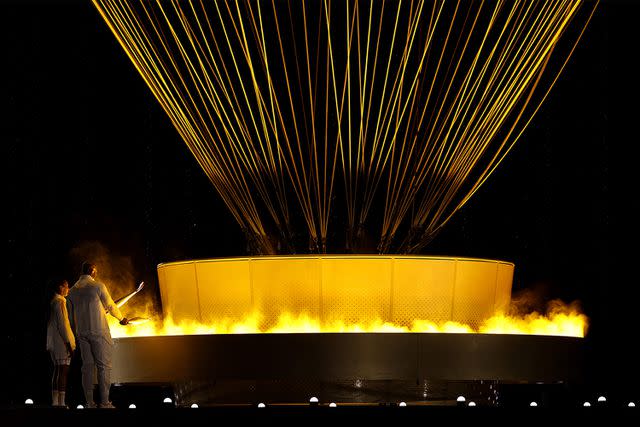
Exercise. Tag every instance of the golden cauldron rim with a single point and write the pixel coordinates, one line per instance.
(336, 256)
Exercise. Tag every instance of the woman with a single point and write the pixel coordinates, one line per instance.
(60, 342)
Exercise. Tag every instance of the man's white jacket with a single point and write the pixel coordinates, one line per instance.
(88, 300)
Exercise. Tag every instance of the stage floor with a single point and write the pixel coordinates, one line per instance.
(347, 368)
(347, 357)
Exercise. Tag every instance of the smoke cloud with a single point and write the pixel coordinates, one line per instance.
(118, 273)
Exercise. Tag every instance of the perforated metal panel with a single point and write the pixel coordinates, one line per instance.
(474, 291)
(179, 291)
(422, 291)
(355, 290)
(286, 285)
(225, 289)
(351, 289)
(504, 282)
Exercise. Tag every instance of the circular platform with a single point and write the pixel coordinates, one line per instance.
(354, 289)
(347, 357)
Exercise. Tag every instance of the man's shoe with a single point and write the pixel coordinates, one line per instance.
(107, 405)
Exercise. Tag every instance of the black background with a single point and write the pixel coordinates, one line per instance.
(89, 157)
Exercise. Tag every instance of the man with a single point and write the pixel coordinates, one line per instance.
(88, 299)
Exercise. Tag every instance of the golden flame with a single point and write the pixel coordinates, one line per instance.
(560, 320)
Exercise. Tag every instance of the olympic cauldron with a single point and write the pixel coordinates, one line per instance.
(348, 367)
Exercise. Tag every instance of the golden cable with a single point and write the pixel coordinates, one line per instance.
(432, 124)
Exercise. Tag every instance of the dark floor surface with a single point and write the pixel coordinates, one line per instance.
(322, 415)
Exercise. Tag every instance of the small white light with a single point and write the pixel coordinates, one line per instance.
(261, 405)
(460, 399)
(79, 407)
(403, 404)
(332, 405)
(132, 406)
(28, 402)
(194, 405)
(586, 404)
(472, 403)
(167, 400)
(313, 400)
(631, 405)
(602, 399)
(533, 404)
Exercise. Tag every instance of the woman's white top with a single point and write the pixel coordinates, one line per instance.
(59, 329)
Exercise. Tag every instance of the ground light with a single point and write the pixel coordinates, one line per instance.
(533, 404)
(28, 402)
(332, 405)
(313, 401)
(79, 407)
(602, 399)
(194, 405)
(167, 400)
(472, 403)
(132, 406)
(261, 405)
(402, 404)
(586, 404)
(631, 405)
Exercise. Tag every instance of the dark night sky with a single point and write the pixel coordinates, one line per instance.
(89, 156)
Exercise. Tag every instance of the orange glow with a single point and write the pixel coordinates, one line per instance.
(346, 294)
(569, 323)
(334, 293)
(560, 321)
